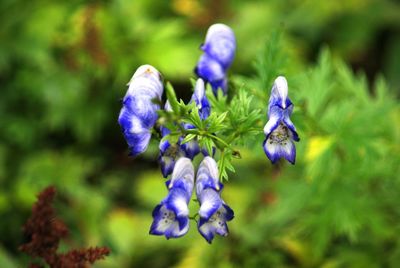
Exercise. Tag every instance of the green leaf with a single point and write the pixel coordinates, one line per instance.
(272, 61)
(319, 81)
(188, 138)
(171, 97)
(193, 118)
(219, 103)
(215, 122)
(224, 163)
(209, 144)
(172, 138)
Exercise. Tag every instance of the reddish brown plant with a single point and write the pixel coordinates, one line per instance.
(45, 231)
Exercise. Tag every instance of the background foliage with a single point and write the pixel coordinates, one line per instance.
(63, 70)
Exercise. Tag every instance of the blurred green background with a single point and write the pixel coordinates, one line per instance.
(63, 70)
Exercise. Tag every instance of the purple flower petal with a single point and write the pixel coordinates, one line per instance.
(207, 176)
(191, 148)
(280, 131)
(220, 44)
(170, 217)
(216, 224)
(275, 151)
(139, 114)
(209, 69)
(210, 201)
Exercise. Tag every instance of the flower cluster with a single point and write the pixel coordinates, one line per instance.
(219, 51)
(194, 127)
(214, 213)
(171, 216)
(280, 132)
(139, 113)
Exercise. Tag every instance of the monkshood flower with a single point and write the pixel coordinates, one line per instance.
(171, 216)
(280, 132)
(214, 213)
(219, 51)
(192, 148)
(168, 152)
(139, 114)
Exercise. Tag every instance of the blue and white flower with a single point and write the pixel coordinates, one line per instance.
(168, 152)
(214, 213)
(219, 52)
(171, 216)
(139, 114)
(199, 97)
(280, 132)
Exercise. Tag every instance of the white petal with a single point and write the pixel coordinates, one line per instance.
(199, 89)
(272, 150)
(209, 229)
(218, 30)
(164, 224)
(273, 122)
(289, 151)
(181, 232)
(280, 90)
(137, 126)
(179, 202)
(275, 151)
(146, 80)
(183, 170)
(207, 174)
(146, 70)
(146, 86)
(210, 201)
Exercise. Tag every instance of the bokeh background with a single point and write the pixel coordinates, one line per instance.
(64, 66)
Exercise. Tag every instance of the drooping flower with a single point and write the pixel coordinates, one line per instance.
(171, 216)
(139, 114)
(168, 152)
(219, 52)
(214, 213)
(280, 132)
